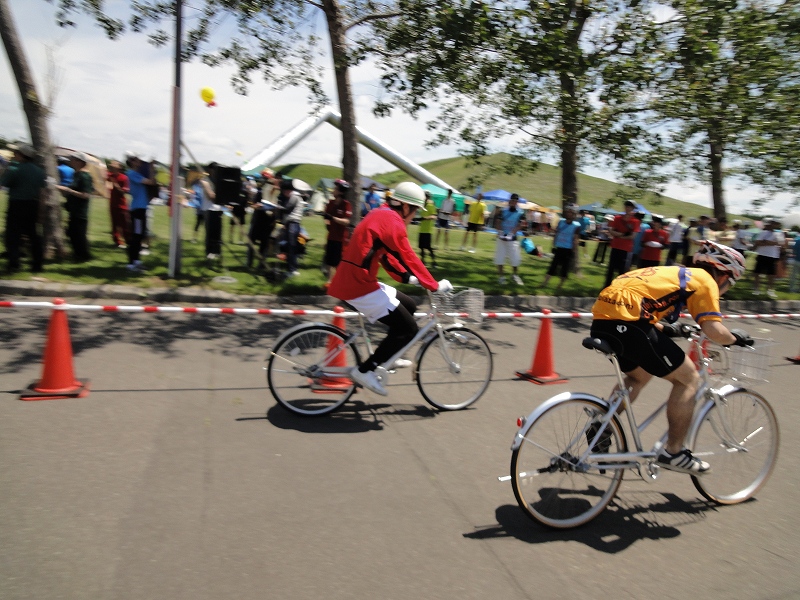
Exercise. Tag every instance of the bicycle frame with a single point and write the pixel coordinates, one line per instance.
(620, 400)
(425, 330)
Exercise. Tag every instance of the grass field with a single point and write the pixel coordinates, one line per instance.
(462, 268)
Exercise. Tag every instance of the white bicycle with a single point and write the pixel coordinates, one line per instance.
(570, 454)
(308, 368)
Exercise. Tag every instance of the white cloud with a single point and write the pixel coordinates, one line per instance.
(117, 96)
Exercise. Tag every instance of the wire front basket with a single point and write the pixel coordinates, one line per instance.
(465, 305)
(744, 365)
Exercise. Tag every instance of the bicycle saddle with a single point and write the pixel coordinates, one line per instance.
(593, 343)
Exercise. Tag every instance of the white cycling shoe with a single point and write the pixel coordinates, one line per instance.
(368, 380)
(401, 363)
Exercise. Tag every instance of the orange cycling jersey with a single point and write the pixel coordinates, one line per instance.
(655, 293)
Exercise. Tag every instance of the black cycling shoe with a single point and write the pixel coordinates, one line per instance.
(604, 443)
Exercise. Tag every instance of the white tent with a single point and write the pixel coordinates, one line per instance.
(791, 220)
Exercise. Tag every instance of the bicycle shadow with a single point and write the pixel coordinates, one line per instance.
(630, 517)
(356, 416)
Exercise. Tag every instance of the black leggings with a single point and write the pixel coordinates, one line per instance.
(402, 329)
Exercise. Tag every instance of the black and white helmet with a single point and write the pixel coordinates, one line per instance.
(721, 258)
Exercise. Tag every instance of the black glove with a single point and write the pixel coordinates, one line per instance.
(672, 330)
(742, 338)
(683, 330)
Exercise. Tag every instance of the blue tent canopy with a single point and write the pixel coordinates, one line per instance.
(497, 195)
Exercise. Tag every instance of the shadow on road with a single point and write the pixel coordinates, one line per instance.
(355, 416)
(629, 518)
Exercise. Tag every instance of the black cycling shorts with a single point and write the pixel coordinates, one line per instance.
(640, 344)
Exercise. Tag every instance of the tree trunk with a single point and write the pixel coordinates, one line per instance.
(36, 114)
(568, 142)
(335, 19)
(716, 150)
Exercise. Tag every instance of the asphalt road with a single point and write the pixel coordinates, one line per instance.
(179, 477)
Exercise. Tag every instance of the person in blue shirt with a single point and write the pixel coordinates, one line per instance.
(633, 257)
(140, 199)
(371, 200)
(565, 245)
(66, 173)
(511, 221)
(793, 280)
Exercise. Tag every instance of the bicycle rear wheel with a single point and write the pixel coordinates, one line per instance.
(551, 486)
(736, 475)
(290, 373)
(456, 385)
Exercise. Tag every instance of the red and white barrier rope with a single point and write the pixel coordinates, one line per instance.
(209, 310)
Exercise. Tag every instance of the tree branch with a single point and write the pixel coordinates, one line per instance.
(372, 17)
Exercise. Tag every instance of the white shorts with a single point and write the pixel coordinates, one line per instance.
(377, 304)
(507, 249)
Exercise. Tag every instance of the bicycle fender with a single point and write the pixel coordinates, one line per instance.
(558, 399)
(299, 326)
(424, 341)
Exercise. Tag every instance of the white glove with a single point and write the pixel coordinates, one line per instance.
(413, 280)
(444, 286)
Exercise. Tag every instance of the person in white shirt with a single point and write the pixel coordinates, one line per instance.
(741, 239)
(443, 219)
(675, 240)
(768, 244)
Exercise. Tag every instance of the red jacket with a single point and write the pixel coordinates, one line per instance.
(627, 225)
(380, 237)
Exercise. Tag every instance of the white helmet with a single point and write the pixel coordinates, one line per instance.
(409, 193)
(721, 258)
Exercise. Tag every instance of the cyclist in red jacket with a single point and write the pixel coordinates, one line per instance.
(381, 237)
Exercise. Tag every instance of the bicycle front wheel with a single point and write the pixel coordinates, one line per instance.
(552, 486)
(736, 473)
(292, 375)
(458, 382)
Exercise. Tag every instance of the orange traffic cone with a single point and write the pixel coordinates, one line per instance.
(334, 384)
(541, 371)
(58, 378)
(794, 359)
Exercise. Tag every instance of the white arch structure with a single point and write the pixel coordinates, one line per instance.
(272, 153)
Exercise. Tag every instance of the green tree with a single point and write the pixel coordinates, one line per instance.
(36, 113)
(569, 76)
(726, 95)
(272, 38)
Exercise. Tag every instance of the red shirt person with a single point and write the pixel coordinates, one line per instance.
(382, 239)
(622, 231)
(654, 240)
(118, 186)
(337, 218)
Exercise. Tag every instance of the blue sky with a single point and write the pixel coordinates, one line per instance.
(115, 96)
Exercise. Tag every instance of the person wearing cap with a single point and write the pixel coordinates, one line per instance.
(140, 199)
(622, 231)
(292, 206)
(117, 188)
(371, 200)
(427, 217)
(768, 245)
(338, 213)
(653, 242)
(381, 238)
(77, 206)
(565, 246)
(25, 181)
(65, 173)
(512, 219)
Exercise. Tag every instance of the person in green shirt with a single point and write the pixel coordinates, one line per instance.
(77, 205)
(427, 217)
(25, 181)
(475, 222)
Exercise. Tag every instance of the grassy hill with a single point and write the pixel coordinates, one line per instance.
(543, 185)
